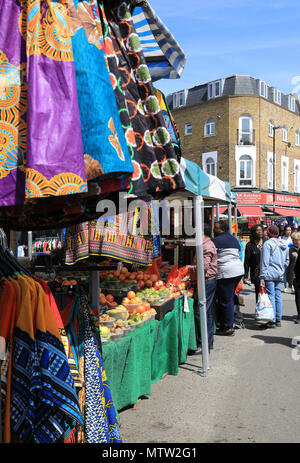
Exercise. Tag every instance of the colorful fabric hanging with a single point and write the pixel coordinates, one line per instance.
(156, 169)
(104, 141)
(164, 57)
(40, 133)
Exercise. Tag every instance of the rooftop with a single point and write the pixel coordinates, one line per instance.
(233, 85)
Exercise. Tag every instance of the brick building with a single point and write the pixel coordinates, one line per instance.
(226, 127)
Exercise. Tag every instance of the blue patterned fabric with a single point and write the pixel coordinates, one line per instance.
(104, 142)
(43, 397)
(164, 57)
(100, 416)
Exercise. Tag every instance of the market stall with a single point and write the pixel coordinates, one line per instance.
(58, 160)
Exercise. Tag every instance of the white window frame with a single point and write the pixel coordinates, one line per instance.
(284, 134)
(270, 172)
(292, 103)
(212, 89)
(210, 155)
(251, 133)
(284, 173)
(276, 95)
(209, 124)
(210, 166)
(297, 138)
(271, 124)
(188, 129)
(297, 176)
(177, 102)
(263, 86)
(246, 161)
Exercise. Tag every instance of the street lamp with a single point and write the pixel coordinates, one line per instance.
(274, 163)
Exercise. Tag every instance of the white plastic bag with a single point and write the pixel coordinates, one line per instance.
(264, 310)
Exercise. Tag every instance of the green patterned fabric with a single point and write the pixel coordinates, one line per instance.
(142, 357)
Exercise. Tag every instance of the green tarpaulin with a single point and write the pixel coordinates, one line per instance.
(142, 357)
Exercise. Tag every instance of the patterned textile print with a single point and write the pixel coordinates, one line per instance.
(103, 137)
(44, 28)
(43, 396)
(112, 65)
(155, 163)
(95, 422)
(104, 239)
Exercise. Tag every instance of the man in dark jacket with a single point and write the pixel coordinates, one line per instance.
(252, 256)
(230, 272)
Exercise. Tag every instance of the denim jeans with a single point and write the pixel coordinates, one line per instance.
(273, 289)
(225, 295)
(210, 288)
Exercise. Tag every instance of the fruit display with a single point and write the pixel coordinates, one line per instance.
(120, 312)
(153, 295)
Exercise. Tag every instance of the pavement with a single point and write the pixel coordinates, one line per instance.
(250, 395)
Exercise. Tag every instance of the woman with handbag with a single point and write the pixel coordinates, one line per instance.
(252, 256)
(274, 260)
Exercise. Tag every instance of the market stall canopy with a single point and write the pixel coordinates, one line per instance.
(199, 183)
(285, 212)
(164, 57)
(248, 211)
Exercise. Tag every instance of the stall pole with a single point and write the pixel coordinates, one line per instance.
(235, 219)
(230, 218)
(29, 244)
(94, 288)
(218, 212)
(212, 220)
(198, 207)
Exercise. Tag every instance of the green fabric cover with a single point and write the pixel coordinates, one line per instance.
(142, 357)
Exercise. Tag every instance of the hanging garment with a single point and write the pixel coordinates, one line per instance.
(104, 141)
(40, 133)
(105, 238)
(170, 123)
(163, 54)
(41, 398)
(100, 421)
(156, 169)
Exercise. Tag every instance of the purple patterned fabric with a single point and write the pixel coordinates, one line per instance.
(41, 152)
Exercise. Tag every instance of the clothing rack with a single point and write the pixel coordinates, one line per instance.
(94, 277)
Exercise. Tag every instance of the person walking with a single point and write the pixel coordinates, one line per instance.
(252, 257)
(294, 272)
(293, 254)
(210, 273)
(274, 260)
(287, 237)
(230, 272)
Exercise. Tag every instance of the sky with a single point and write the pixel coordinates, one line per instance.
(224, 37)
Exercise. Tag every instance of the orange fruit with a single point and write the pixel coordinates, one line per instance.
(110, 298)
(131, 295)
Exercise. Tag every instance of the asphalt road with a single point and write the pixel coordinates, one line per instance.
(251, 393)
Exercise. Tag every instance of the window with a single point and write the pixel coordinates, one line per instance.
(271, 125)
(297, 178)
(210, 166)
(246, 170)
(213, 89)
(270, 171)
(188, 129)
(276, 96)
(297, 138)
(209, 128)
(284, 134)
(284, 173)
(246, 135)
(263, 89)
(292, 103)
(179, 99)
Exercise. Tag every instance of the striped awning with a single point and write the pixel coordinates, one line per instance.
(164, 57)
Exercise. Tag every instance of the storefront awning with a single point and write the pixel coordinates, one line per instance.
(251, 211)
(287, 212)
